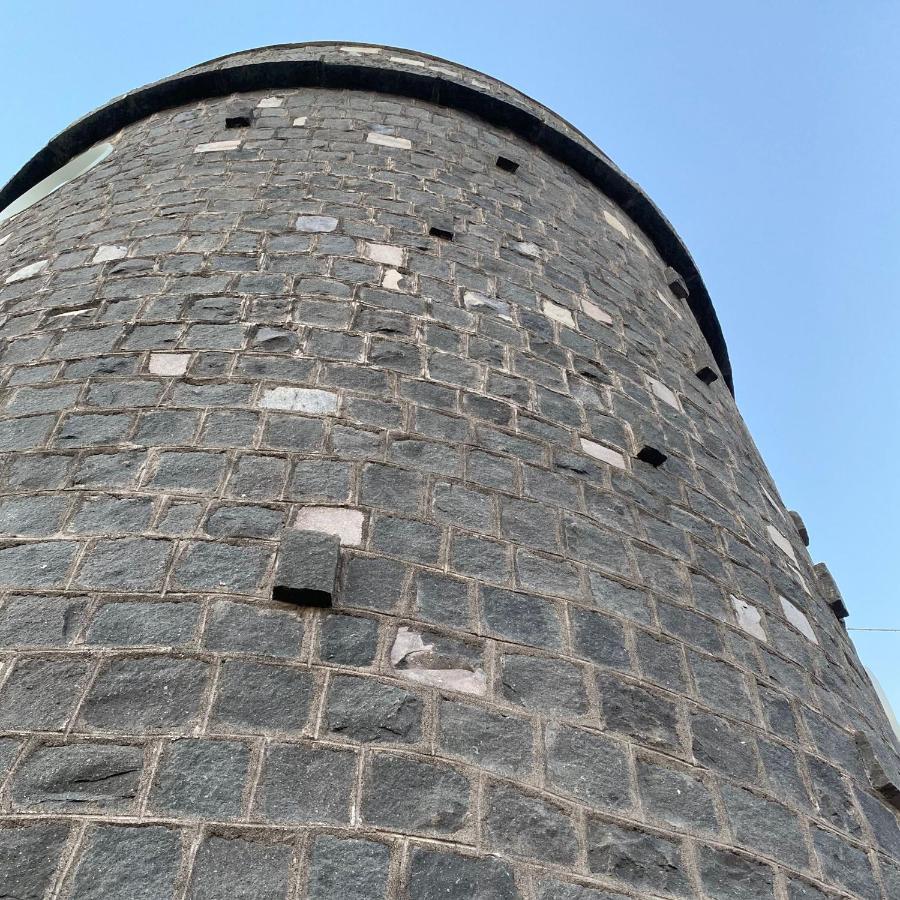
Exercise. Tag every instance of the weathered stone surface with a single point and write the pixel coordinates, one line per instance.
(29, 854)
(347, 869)
(496, 741)
(240, 869)
(254, 696)
(435, 876)
(41, 692)
(372, 712)
(307, 568)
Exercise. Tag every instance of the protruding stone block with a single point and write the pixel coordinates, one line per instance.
(441, 225)
(800, 526)
(676, 283)
(883, 771)
(830, 590)
(307, 568)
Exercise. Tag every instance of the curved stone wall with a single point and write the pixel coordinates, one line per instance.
(551, 670)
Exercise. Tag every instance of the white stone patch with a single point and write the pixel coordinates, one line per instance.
(361, 51)
(665, 300)
(477, 302)
(409, 644)
(615, 222)
(5, 238)
(641, 246)
(442, 70)
(347, 524)
(28, 271)
(294, 399)
(169, 363)
(605, 454)
(388, 140)
(110, 253)
(385, 253)
(798, 619)
(771, 500)
(392, 280)
(526, 248)
(666, 394)
(558, 313)
(270, 103)
(216, 146)
(316, 224)
(780, 541)
(299, 122)
(408, 61)
(748, 617)
(597, 314)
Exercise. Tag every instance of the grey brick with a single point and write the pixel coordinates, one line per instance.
(373, 583)
(145, 694)
(110, 470)
(25, 434)
(495, 741)
(550, 685)
(406, 539)
(729, 876)
(200, 779)
(243, 869)
(519, 824)
(348, 640)
(677, 797)
(589, 766)
(245, 520)
(369, 711)
(41, 693)
(143, 624)
(640, 859)
(522, 618)
(243, 628)
(111, 515)
(255, 696)
(207, 566)
(257, 477)
(35, 621)
(599, 639)
(88, 777)
(442, 599)
(547, 575)
(648, 716)
(342, 869)
(302, 783)
(187, 471)
(323, 480)
(720, 745)
(126, 564)
(415, 796)
(456, 505)
(129, 863)
(36, 565)
(444, 876)
(29, 854)
(480, 557)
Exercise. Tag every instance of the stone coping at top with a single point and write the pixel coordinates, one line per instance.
(388, 70)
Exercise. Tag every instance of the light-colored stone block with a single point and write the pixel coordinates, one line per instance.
(347, 524)
(110, 253)
(604, 454)
(388, 140)
(780, 541)
(28, 271)
(270, 103)
(477, 302)
(169, 363)
(668, 303)
(798, 619)
(5, 238)
(295, 399)
(526, 248)
(361, 51)
(772, 501)
(408, 61)
(641, 246)
(748, 617)
(597, 314)
(615, 222)
(558, 313)
(392, 280)
(316, 224)
(664, 393)
(217, 146)
(299, 122)
(411, 657)
(385, 253)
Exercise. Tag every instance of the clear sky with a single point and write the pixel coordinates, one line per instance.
(768, 133)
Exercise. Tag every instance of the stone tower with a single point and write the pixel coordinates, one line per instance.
(377, 521)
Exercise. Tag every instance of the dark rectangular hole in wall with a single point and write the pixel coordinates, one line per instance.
(506, 164)
(651, 455)
(301, 596)
(707, 375)
(442, 233)
(237, 121)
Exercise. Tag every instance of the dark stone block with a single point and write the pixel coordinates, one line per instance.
(86, 777)
(126, 564)
(589, 766)
(41, 693)
(143, 624)
(29, 855)
(240, 869)
(553, 685)
(416, 796)
(444, 876)
(211, 566)
(307, 568)
(38, 565)
(145, 694)
(128, 863)
(302, 783)
(34, 621)
(728, 876)
(829, 589)
(676, 283)
(369, 711)
(522, 618)
(245, 628)
(491, 740)
(200, 779)
(648, 716)
(342, 869)
(254, 696)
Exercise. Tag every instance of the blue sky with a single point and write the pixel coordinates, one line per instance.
(768, 132)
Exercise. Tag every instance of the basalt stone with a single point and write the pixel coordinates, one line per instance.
(29, 855)
(341, 869)
(447, 876)
(244, 869)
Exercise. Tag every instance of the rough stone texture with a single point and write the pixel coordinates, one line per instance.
(551, 671)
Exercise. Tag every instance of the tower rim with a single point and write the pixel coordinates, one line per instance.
(363, 66)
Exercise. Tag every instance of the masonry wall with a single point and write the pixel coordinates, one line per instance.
(551, 671)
